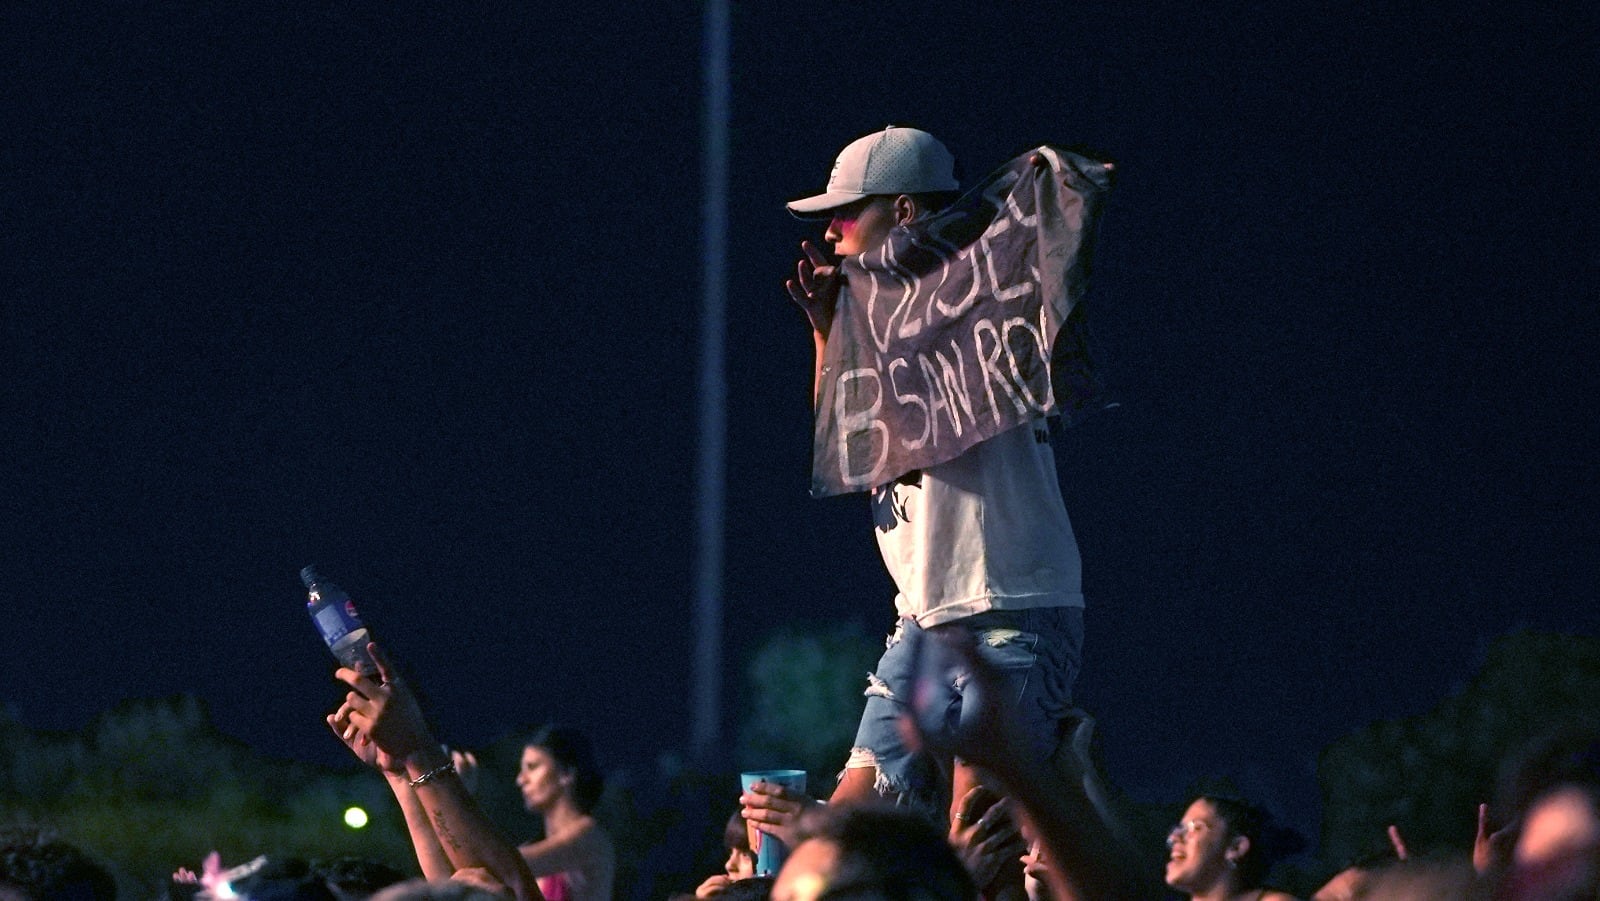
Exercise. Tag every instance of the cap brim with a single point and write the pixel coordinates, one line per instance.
(819, 206)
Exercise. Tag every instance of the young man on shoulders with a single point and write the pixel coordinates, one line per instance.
(980, 542)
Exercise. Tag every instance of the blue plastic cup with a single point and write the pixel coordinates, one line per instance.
(768, 851)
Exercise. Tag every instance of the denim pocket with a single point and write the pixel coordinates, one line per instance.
(1008, 649)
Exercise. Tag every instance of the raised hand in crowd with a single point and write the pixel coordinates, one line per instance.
(1088, 861)
(364, 749)
(384, 712)
(1036, 873)
(431, 856)
(1491, 849)
(1398, 842)
(984, 834)
(444, 820)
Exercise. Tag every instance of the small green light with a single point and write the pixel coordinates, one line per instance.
(355, 818)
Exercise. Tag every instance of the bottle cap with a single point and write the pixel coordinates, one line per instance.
(309, 575)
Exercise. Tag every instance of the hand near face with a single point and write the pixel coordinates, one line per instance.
(815, 287)
(712, 886)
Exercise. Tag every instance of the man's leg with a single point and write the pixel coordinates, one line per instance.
(882, 765)
(1038, 653)
(856, 786)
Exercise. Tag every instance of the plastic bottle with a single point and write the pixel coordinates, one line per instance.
(334, 615)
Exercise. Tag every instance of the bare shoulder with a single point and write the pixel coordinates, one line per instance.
(1277, 896)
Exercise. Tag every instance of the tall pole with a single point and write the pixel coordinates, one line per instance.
(713, 386)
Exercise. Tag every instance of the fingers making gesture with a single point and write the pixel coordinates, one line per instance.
(382, 711)
(364, 749)
(1491, 848)
(815, 287)
(382, 724)
(1398, 842)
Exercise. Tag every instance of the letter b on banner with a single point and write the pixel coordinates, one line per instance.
(863, 436)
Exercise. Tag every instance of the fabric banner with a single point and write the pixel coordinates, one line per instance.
(961, 325)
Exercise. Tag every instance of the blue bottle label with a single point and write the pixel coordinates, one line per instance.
(335, 621)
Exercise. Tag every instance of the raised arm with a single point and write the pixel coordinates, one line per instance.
(430, 854)
(385, 713)
(1088, 862)
(984, 834)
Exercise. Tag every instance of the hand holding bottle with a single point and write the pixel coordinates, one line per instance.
(383, 711)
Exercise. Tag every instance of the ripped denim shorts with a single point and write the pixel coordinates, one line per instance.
(1038, 653)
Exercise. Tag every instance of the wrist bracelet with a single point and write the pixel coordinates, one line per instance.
(433, 774)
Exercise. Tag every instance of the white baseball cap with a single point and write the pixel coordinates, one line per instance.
(892, 161)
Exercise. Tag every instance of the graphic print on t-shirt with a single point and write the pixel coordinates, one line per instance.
(891, 502)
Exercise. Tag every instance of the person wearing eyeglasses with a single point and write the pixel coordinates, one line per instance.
(1221, 851)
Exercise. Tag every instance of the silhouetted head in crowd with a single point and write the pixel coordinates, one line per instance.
(1227, 842)
(741, 862)
(870, 853)
(1354, 878)
(281, 878)
(35, 865)
(447, 890)
(1426, 879)
(356, 878)
(1552, 791)
(558, 766)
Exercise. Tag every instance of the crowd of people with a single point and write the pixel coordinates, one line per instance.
(969, 776)
(1542, 843)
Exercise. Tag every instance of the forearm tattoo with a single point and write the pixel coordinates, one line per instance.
(441, 827)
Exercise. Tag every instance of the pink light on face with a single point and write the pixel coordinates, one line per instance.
(860, 226)
(842, 228)
(843, 224)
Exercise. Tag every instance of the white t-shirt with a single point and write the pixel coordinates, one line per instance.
(985, 531)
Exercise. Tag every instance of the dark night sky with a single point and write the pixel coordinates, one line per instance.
(411, 292)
